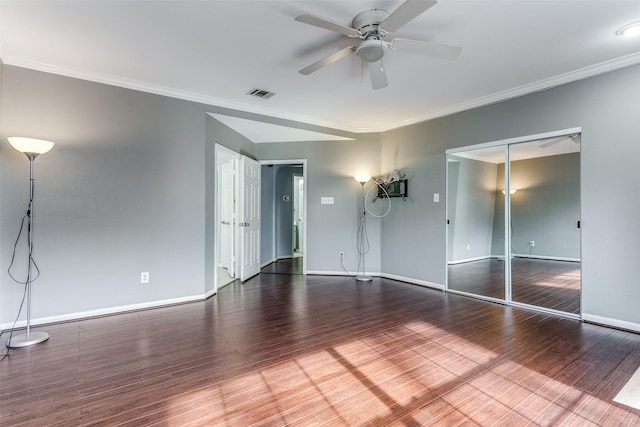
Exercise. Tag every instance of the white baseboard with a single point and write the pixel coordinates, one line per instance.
(552, 258)
(104, 311)
(284, 257)
(414, 281)
(615, 323)
(211, 293)
(462, 261)
(383, 275)
(338, 273)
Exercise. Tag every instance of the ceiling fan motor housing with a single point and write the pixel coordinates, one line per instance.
(371, 49)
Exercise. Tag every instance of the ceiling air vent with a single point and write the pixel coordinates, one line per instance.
(261, 93)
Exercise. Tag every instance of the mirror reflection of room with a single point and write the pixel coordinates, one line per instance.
(544, 247)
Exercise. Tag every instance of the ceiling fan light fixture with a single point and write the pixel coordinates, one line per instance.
(629, 30)
(370, 50)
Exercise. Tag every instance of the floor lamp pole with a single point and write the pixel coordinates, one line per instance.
(31, 148)
(363, 227)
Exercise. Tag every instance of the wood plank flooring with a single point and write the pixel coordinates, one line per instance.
(287, 349)
(538, 282)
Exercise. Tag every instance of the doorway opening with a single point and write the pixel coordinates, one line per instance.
(284, 221)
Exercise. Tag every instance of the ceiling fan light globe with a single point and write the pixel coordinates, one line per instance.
(370, 51)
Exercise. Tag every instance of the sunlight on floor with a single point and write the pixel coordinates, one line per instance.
(369, 381)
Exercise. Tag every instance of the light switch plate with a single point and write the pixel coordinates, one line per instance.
(436, 197)
(324, 200)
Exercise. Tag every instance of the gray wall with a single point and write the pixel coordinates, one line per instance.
(128, 188)
(330, 170)
(606, 108)
(545, 208)
(121, 192)
(472, 216)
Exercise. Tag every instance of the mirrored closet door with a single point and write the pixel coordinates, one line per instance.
(520, 199)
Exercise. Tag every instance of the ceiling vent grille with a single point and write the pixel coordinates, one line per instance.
(261, 93)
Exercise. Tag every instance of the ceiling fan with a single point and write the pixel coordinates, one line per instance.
(373, 29)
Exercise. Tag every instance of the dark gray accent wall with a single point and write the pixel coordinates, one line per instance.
(267, 215)
(606, 108)
(545, 209)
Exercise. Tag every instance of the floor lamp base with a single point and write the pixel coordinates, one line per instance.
(24, 341)
(364, 278)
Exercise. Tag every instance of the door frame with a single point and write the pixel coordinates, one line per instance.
(506, 143)
(295, 198)
(302, 162)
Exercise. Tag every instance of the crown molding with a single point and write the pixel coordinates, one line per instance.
(572, 76)
(166, 91)
(540, 85)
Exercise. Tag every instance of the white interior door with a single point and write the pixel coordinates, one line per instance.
(227, 217)
(249, 222)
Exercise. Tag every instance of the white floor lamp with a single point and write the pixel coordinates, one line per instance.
(32, 148)
(363, 239)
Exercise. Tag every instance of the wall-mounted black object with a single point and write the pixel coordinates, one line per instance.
(393, 189)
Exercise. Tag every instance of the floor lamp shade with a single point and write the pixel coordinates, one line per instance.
(30, 145)
(32, 148)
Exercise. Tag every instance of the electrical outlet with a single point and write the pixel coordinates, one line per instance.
(532, 243)
(144, 277)
(341, 254)
(468, 247)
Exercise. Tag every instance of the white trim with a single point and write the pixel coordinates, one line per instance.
(169, 92)
(210, 293)
(571, 76)
(615, 323)
(462, 261)
(106, 311)
(540, 85)
(339, 273)
(550, 258)
(424, 283)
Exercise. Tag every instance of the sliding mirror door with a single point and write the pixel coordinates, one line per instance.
(545, 215)
(475, 253)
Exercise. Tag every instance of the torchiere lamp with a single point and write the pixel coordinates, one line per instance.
(32, 148)
(363, 239)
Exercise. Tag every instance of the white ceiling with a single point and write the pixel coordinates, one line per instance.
(554, 146)
(216, 51)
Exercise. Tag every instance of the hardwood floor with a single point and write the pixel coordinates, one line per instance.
(285, 349)
(539, 282)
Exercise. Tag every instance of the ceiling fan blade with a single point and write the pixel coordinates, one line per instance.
(327, 60)
(328, 25)
(553, 142)
(409, 10)
(436, 50)
(573, 138)
(378, 75)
